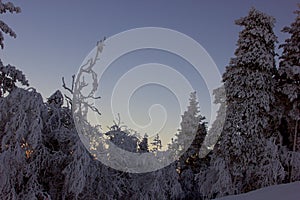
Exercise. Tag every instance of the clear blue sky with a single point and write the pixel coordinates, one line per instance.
(53, 37)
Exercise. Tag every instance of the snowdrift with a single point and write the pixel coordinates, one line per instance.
(289, 191)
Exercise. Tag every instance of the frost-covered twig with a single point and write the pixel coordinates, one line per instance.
(80, 84)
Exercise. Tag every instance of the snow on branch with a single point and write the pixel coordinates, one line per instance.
(4, 28)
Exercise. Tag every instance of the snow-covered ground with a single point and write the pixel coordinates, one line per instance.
(289, 191)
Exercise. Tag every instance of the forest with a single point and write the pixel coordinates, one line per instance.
(42, 156)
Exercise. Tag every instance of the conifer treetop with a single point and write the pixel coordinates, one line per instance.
(256, 41)
(289, 66)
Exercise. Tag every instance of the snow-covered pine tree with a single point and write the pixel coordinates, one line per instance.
(123, 137)
(68, 170)
(189, 140)
(9, 75)
(289, 94)
(123, 140)
(244, 152)
(205, 178)
(156, 144)
(143, 145)
(191, 119)
(22, 153)
(217, 126)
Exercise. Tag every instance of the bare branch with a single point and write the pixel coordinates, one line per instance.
(67, 88)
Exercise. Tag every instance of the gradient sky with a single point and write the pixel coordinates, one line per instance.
(54, 37)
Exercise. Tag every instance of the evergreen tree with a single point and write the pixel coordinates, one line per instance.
(156, 143)
(217, 127)
(206, 176)
(189, 141)
(42, 156)
(21, 153)
(9, 75)
(247, 144)
(289, 95)
(123, 140)
(143, 145)
(191, 119)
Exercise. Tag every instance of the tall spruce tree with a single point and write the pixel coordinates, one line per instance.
(289, 95)
(156, 143)
(246, 157)
(189, 141)
(143, 145)
(205, 178)
(190, 122)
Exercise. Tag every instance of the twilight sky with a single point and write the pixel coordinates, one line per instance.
(54, 37)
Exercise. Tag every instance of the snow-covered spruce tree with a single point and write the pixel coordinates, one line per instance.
(66, 154)
(289, 95)
(156, 144)
(143, 145)
(42, 156)
(247, 144)
(22, 153)
(190, 138)
(123, 137)
(206, 177)
(86, 177)
(9, 75)
(69, 171)
(123, 140)
(191, 119)
(40, 147)
(217, 126)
